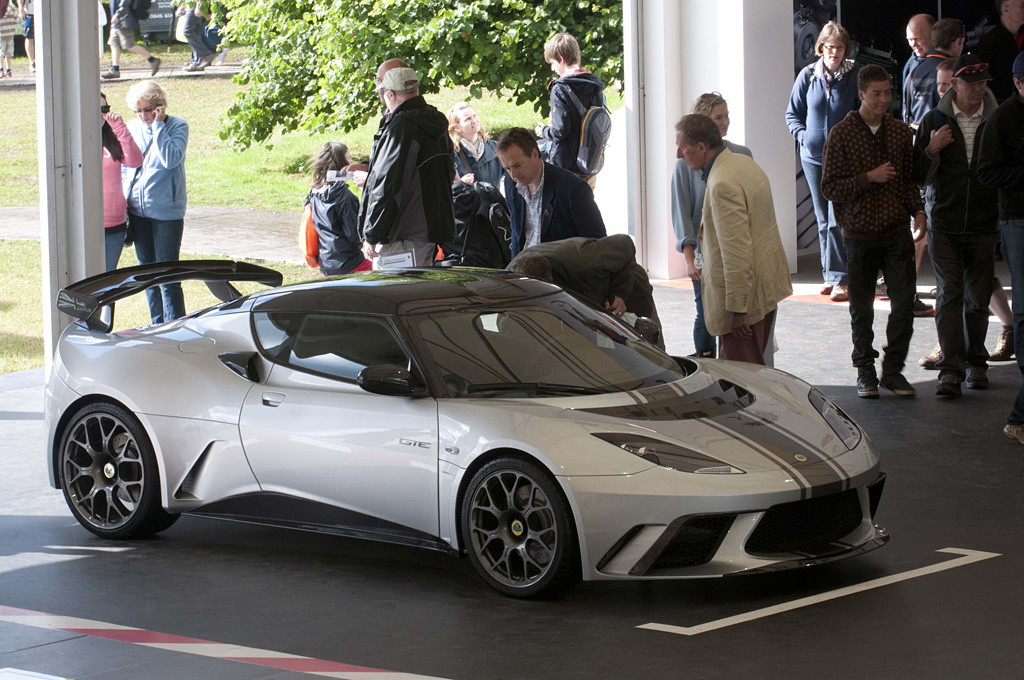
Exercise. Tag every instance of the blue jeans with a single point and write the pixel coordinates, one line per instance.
(1013, 251)
(703, 341)
(830, 236)
(113, 242)
(160, 241)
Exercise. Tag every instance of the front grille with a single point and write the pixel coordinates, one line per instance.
(695, 543)
(807, 527)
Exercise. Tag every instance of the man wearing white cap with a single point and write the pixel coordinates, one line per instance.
(407, 197)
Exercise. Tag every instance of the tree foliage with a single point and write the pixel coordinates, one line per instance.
(313, 61)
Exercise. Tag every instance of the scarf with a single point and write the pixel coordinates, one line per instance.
(476, 149)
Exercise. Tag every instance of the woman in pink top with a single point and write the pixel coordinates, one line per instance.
(119, 149)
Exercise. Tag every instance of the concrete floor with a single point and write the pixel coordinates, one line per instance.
(954, 482)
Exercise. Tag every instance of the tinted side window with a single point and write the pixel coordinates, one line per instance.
(339, 345)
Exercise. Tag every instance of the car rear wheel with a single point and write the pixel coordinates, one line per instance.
(109, 476)
(519, 530)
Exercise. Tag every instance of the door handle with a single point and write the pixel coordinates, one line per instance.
(272, 398)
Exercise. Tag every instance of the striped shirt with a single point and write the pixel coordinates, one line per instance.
(532, 215)
(969, 126)
(9, 23)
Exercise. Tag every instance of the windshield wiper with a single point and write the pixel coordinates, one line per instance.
(539, 387)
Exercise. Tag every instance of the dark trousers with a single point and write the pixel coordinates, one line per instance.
(194, 34)
(1013, 250)
(964, 266)
(894, 257)
(703, 342)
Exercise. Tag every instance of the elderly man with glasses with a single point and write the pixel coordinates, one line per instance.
(407, 193)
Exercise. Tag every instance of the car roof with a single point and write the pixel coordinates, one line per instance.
(403, 291)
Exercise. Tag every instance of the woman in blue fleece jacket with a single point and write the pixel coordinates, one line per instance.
(823, 94)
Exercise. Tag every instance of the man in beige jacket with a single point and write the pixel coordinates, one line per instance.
(745, 272)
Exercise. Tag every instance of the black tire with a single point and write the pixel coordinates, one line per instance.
(510, 495)
(108, 473)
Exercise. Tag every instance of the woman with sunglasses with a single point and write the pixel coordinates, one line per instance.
(155, 192)
(119, 151)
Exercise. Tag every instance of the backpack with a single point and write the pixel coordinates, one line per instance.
(140, 8)
(309, 240)
(595, 131)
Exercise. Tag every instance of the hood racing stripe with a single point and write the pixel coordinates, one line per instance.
(820, 475)
(729, 430)
(809, 447)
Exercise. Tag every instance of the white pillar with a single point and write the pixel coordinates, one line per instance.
(70, 177)
(680, 49)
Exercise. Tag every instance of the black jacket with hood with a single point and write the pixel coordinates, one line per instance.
(1001, 163)
(566, 121)
(958, 202)
(408, 190)
(335, 210)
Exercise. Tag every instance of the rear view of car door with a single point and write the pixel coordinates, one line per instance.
(310, 431)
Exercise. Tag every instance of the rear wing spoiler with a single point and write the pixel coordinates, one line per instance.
(87, 299)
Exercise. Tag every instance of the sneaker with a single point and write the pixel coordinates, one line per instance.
(1004, 347)
(111, 74)
(881, 290)
(977, 377)
(867, 382)
(193, 67)
(207, 60)
(1015, 432)
(949, 385)
(922, 308)
(32, 67)
(826, 289)
(221, 57)
(154, 66)
(928, 362)
(840, 293)
(9, 74)
(898, 385)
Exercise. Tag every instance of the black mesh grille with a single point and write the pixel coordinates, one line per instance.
(807, 527)
(696, 542)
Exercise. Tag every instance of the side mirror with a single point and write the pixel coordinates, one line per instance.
(390, 380)
(649, 330)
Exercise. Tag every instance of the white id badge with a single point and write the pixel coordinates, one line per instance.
(400, 260)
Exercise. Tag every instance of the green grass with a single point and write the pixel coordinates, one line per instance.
(271, 177)
(21, 305)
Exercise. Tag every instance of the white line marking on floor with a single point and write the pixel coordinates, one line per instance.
(968, 557)
(90, 548)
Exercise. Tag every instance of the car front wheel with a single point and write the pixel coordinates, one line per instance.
(519, 530)
(109, 476)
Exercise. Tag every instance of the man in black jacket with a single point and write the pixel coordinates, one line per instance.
(962, 224)
(545, 202)
(1001, 165)
(562, 52)
(1001, 45)
(407, 196)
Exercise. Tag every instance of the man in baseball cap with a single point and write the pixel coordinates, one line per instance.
(962, 224)
(1001, 165)
(407, 195)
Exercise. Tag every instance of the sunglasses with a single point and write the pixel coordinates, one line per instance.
(971, 70)
(148, 109)
(104, 108)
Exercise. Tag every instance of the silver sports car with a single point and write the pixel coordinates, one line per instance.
(476, 412)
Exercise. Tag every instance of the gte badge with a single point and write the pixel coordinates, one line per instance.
(413, 442)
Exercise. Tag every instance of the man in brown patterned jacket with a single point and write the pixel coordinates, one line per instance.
(867, 173)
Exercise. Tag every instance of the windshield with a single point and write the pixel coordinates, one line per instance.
(551, 346)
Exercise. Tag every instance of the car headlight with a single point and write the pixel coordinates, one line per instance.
(841, 424)
(669, 456)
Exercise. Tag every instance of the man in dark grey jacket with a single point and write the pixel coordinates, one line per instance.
(962, 224)
(407, 196)
(602, 270)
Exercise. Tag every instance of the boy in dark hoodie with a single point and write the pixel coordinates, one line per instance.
(563, 134)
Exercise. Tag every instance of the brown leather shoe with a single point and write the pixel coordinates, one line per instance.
(1015, 432)
(840, 293)
(1004, 347)
(826, 289)
(929, 361)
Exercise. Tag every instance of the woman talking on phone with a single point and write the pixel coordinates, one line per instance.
(335, 211)
(155, 192)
